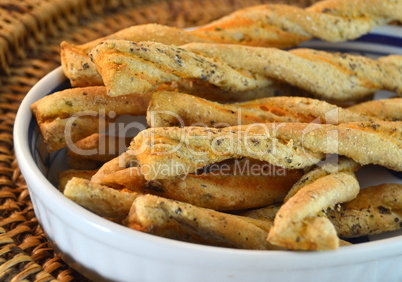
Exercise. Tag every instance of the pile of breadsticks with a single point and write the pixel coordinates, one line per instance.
(247, 145)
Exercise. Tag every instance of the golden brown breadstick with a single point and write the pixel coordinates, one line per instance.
(144, 66)
(289, 229)
(168, 151)
(73, 114)
(268, 25)
(242, 184)
(128, 67)
(78, 67)
(102, 200)
(266, 213)
(375, 210)
(385, 109)
(65, 175)
(164, 152)
(57, 133)
(284, 26)
(331, 76)
(177, 109)
(65, 103)
(332, 165)
(187, 222)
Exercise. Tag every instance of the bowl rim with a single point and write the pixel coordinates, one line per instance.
(112, 234)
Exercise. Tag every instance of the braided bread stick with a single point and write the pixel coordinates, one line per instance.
(177, 109)
(385, 109)
(329, 166)
(100, 199)
(128, 67)
(78, 67)
(241, 184)
(375, 210)
(165, 152)
(186, 222)
(284, 26)
(271, 25)
(330, 76)
(325, 192)
(72, 114)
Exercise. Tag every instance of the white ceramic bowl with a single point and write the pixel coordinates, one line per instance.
(101, 249)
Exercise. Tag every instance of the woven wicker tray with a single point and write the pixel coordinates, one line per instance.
(30, 34)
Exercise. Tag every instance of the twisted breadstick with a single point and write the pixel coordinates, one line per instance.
(100, 199)
(325, 192)
(77, 65)
(284, 26)
(385, 109)
(72, 114)
(182, 221)
(128, 67)
(332, 76)
(271, 25)
(177, 109)
(165, 152)
(242, 184)
(375, 210)
(330, 166)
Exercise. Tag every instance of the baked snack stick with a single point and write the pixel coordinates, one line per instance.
(289, 226)
(67, 102)
(331, 76)
(128, 67)
(270, 25)
(186, 222)
(375, 210)
(102, 200)
(385, 109)
(165, 152)
(66, 175)
(73, 114)
(333, 164)
(178, 109)
(237, 185)
(285, 26)
(182, 221)
(77, 65)
(61, 132)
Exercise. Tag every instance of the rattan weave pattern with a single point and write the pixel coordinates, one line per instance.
(30, 34)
